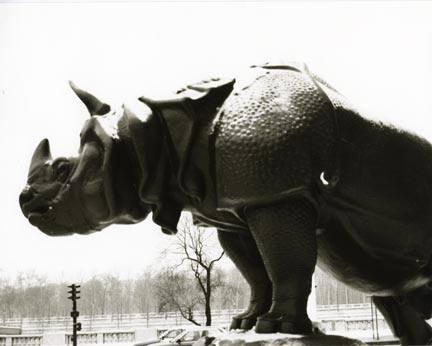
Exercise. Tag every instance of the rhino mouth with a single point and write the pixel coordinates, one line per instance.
(31, 209)
(39, 213)
(41, 210)
(60, 221)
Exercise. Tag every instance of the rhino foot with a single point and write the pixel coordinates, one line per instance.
(248, 323)
(244, 323)
(280, 323)
(247, 319)
(235, 323)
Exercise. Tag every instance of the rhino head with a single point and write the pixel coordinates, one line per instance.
(79, 194)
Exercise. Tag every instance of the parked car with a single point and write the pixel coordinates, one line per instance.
(165, 336)
(190, 336)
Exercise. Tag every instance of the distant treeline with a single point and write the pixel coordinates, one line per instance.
(30, 295)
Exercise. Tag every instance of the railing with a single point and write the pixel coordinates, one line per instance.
(90, 338)
(109, 337)
(27, 340)
(114, 337)
(346, 318)
(342, 306)
(115, 322)
(21, 340)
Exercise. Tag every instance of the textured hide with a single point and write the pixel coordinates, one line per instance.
(274, 138)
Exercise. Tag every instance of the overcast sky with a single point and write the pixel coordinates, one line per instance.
(379, 54)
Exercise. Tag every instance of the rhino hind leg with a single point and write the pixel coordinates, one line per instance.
(285, 235)
(404, 320)
(244, 253)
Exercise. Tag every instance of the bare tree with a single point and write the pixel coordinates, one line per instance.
(199, 250)
(175, 290)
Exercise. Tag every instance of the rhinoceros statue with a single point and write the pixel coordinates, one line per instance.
(289, 174)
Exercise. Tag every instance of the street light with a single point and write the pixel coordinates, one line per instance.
(74, 296)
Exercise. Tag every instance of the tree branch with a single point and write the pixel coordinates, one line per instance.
(216, 260)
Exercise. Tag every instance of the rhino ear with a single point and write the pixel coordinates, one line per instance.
(93, 104)
(41, 155)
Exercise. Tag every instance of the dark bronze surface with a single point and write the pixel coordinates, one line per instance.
(282, 166)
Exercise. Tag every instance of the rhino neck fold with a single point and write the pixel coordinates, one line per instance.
(161, 145)
(154, 184)
(126, 182)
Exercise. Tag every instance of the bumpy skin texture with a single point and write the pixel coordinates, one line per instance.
(285, 235)
(287, 171)
(279, 118)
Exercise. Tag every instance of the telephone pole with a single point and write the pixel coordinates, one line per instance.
(74, 296)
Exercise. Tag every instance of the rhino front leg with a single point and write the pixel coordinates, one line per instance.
(244, 253)
(405, 322)
(285, 235)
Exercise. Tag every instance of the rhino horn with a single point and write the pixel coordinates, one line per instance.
(93, 104)
(41, 155)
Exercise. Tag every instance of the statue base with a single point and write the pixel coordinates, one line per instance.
(250, 338)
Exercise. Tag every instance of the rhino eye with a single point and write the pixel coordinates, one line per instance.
(62, 171)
